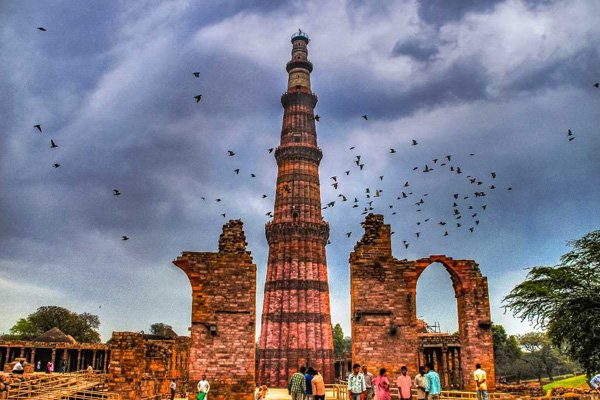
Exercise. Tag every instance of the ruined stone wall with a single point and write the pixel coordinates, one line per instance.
(223, 315)
(383, 303)
(127, 364)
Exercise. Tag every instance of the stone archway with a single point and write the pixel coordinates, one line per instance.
(385, 328)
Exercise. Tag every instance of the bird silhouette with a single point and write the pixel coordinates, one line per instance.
(347, 172)
(271, 150)
(335, 185)
(264, 196)
(334, 178)
(237, 171)
(198, 97)
(446, 233)
(406, 184)
(449, 157)
(427, 169)
(52, 144)
(348, 234)
(230, 153)
(361, 166)
(392, 151)
(493, 175)
(471, 229)
(218, 200)
(366, 117)
(116, 192)
(414, 142)
(597, 84)
(55, 165)
(38, 127)
(252, 175)
(196, 74)
(223, 215)
(41, 28)
(352, 148)
(317, 117)
(418, 234)
(124, 238)
(380, 177)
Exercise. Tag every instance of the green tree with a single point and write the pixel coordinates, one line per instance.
(565, 300)
(542, 357)
(341, 343)
(160, 329)
(83, 327)
(507, 352)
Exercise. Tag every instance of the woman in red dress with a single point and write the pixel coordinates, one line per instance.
(382, 385)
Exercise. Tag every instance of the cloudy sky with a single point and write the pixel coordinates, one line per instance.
(111, 83)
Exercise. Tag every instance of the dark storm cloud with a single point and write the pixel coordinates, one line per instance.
(418, 49)
(113, 85)
(439, 12)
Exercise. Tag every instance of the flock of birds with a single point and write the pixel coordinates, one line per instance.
(465, 213)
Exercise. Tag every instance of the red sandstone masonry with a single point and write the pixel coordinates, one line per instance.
(223, 315)
(383, 298)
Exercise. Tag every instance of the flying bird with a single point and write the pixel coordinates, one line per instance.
(38, 127)
(198, 97)
(347, 172)
(406, 184)
(197, 74)
(366, 117)
(55, 165)
(41, 28)
(264, 196)
(348, 234)
(217, 200)
(414, 142)
(392, 151)
(52, 144)
(223, 215)
(446, 233)
(271, 150)
(380, 177)
(597, 84)
(124, 238)
(116, 192)
(335, 185)
(317, 117)
(237, 171)
(230, 153)
(334, 178)
(352, 148)
(252, 175)
(493, 175)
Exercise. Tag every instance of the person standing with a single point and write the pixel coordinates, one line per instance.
(297, 384)
(420, 383)
(382, 386)
(356, 384)
(480, 382)
(318, 386)
(433, 388)
(203, 389)
(370, 392)
(50, 367)
(404, 383)
(309, 377)
(63, 367)
(173, 388)
(38, 366)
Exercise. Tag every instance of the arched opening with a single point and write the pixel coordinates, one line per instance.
(437, 314)
(436, 300)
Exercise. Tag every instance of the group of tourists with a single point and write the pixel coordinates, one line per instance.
(362, 385)
(307, 384)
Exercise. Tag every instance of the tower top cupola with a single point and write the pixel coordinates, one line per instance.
(300, 36)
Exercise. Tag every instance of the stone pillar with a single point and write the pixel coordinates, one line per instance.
(7, 358)
(22, 353)
(94, 360)
(105, 360)
(77, 367)
(54, 358)
(33, 357)
(223, 316)
(127, 365)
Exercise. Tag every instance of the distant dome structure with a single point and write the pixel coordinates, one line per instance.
(55, 335)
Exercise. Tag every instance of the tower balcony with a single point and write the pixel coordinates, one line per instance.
(276, 231)
(298, 153)
(300, 36)
(299, 64)
(299, 98)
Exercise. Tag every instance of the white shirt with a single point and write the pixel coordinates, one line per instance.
(173, 386)
(203, 386)
(18, 366)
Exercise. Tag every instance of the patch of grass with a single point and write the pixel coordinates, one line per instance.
(572, 382)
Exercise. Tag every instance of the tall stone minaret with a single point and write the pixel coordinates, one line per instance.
(296, 323)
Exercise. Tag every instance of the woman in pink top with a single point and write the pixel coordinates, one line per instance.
(382, 386)
(404, 384)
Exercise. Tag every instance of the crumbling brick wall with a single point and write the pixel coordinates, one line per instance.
(383, 303)
(127, 364)
(223, 315)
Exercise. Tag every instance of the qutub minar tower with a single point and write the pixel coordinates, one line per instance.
(296, 323)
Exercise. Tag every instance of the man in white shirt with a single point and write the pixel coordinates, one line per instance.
(203, 388)
(173, 387)
(18, 368)
(480, 383)
(595, 382)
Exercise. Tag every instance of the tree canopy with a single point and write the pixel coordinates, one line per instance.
(83, 327)
(160, 329)
(341, 343)
(565, 300)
